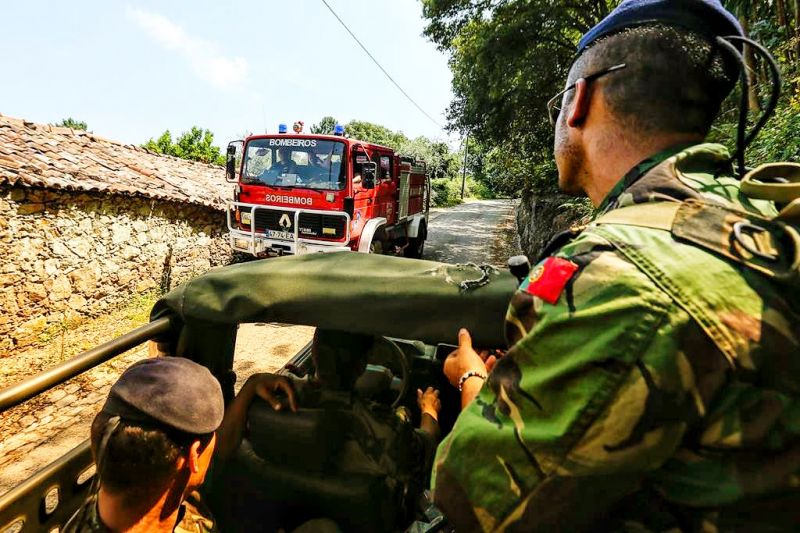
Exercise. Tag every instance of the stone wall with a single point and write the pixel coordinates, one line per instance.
(66, 256)
(540, 218)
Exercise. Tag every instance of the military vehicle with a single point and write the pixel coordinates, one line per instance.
(288, 467)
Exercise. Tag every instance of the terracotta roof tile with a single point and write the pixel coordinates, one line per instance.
(37, 155)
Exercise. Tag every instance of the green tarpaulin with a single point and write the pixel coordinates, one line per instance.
(362, 293)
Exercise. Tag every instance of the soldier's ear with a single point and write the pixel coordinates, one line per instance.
(193, 457)
(579, 107)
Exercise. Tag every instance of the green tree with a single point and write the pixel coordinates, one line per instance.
(74, 124)
(324, 126)
(508, 57)
(443, 164)
(162, 145)
(375, 133)
(440, 160)
(196, 144)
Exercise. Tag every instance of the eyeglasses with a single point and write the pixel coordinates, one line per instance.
(554, 104)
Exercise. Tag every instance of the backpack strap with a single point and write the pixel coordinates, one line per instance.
(779, 182)
(770, 247)
(656, 215)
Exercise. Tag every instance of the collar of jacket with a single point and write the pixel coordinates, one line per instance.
(679, 151)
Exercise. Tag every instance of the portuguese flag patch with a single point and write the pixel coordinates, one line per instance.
(548, 279)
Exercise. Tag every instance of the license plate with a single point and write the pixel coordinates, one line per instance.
(282, 235)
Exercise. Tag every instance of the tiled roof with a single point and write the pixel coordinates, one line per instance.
(37, 155)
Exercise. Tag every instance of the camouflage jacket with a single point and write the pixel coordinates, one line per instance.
(194, 517)
(651, 384)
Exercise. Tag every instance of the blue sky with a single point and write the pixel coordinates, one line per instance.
(132, 70)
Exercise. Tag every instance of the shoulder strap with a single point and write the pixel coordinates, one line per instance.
(779, 182)
(656, 215)
(770, 247)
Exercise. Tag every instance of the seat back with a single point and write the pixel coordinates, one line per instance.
(294, 467)
(310, 439)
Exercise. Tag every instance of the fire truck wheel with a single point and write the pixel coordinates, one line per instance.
(416, 246)
(378, 244)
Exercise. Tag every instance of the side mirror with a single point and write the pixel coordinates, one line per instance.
(232, 158)
(368, 171)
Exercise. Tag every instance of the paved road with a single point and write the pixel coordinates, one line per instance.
(478, 232)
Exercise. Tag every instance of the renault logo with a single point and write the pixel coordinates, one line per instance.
(285, 222)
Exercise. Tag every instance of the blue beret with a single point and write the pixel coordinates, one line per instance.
(702, 16)
(168, 391)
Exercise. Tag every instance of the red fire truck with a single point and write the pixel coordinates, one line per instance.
(298, 193)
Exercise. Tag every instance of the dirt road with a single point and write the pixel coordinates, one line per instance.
(43, 429)
(482, 231)
(39, 431)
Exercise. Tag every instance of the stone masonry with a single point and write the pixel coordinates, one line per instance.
(86, 223)
(67, 255)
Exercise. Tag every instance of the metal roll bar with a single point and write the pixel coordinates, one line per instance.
(48, 498)
(27, 389)
(28, 506)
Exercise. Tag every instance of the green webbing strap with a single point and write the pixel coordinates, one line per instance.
(791, 213)
(783, 193)
(655, 215)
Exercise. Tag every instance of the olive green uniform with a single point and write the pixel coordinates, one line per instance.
(193, 517)
(661, 389)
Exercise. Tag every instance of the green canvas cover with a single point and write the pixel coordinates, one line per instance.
(361, 293)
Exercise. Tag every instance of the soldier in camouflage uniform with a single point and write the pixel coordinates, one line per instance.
(153, 443)
(653, 379)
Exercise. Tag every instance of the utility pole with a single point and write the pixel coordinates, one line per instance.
(464, 169)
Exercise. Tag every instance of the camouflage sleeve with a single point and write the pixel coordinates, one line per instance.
(571, 417)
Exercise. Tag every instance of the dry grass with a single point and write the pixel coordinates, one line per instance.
(70, 337)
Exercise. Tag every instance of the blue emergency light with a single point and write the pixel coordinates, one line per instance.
(282, 128)
(338, 130)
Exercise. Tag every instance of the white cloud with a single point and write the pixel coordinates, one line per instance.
(204, 56)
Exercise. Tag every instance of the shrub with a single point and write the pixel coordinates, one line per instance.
(446, 192)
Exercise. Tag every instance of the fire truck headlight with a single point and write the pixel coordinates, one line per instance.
(246, 218)
(241, 244)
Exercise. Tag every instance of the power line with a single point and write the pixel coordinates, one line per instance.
(379, 65)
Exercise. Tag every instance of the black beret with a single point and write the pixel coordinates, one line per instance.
(168, 391)
(706, 17)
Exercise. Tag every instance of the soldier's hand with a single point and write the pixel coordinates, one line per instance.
(465, 359)
(429, 402)
(269, 387)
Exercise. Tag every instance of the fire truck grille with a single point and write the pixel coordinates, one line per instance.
(267, 219)
(324, 226)
(312, 225)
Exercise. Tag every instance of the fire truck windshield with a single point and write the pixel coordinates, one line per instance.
(293, 162)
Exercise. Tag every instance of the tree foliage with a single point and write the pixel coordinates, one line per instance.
(196, 144)
(775, 24)
(324, 127)
(70, 122)
(508, 57)
(440, 160)
(374, 133)
(444, 165)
